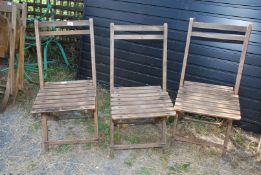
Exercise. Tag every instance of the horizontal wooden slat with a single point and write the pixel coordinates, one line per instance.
(208, 108)
(66, 97)
(138, 146)
(64, 23)
(208, 91)
(90, 86)
(140, 102)
(142, 106)
(64, 108)
(138, 95)
(46, 106)
(91, 100)
(212, 86)
(144, 111)
(58, 142)
(117, 89)
(209, 102)
(61, 93)
(208, 113)
(137, 28)
(140, 98)
(68, 89)
(69, 82)
(148, 115)
(138, 37)
(219, 26)
(231, 37)
(68, 32)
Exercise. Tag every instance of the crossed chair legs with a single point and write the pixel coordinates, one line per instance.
(47, 142)
(223, 147)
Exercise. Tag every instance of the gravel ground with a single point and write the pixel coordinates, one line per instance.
(20, 152)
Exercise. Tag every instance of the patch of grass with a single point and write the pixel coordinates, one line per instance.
(179, 168)
(104, 132)
(239, 139)
(104, 101)
(144, 171)
(35, 126)
(130, 161)
(63, 149)
(132, 139)
(88, 146)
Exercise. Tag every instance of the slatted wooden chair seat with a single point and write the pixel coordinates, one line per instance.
(140, 102)
(64, 96)
(78, 95)
(208, 99)
(134, 105)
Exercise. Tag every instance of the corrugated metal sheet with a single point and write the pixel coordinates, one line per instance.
(139, 63)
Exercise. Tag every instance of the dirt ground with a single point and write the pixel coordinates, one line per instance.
(21, 153)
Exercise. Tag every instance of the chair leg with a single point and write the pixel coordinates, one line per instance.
(44, 119)
(111, 137)
(95, 114)
(174, 131)
(228, 129)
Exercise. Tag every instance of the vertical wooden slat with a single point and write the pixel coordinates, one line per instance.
(44, 119)
(185, 59)
(39, 54)
(112, 57)
(228, 129)
(165, 53)
(242, 59)
(93, 60)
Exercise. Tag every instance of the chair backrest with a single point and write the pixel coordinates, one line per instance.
(242, 35)
(163, 29)
(72, 29)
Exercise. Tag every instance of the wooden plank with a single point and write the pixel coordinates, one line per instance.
(137, 28)
(72, 89)
(232, 37)
(62, 109)
(90, 85)
(69, 82)
(242, 58)
(208, 91)
(164, 61)
(58, 142)
(138, 146)
(44, 118)
(64, 23)
(143, 111)
(70, 96)
(93, 61)
(139, 95)
(213, 86)
(57, 105)
(209, 102)
(68, 32)
(111, 57)
(185, 58)
(208, 113)
(64, 93)
(119, 89)
(62, 101)
(216, 26)
(140, 98)
(142, 106)
(140, 102)
(134, 92)
(138, 37)
(207, 107)
(139, 116)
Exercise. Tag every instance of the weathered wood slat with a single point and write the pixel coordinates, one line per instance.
(208, 113)
(65, 93)
(64, 23)
(210, 91)
(207, 108)
(137, 28)
(140, 102)
(139, 95)
(70, 96)
(197, 96)
(139, 116)
(61, 101)
(138, 91)
(138, 37)
(139, 146)
(82, 88)
(216, 26)
(61, 109)
(143, 111)
(140, 98)
(209, 102)
(142, 106)
(232, 37)
(213, 86)
(68, 82)
(57, 105)
(58, 33)
(137, 88)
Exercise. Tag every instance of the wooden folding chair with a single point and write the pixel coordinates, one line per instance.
(209, 99)
(67, 95)
(133, 104)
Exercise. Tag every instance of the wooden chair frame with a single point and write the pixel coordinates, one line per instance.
(14, 12)
(43, 85)
(246, 30)
(113, 90)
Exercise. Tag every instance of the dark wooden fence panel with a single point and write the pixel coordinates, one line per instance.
(139, 63)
